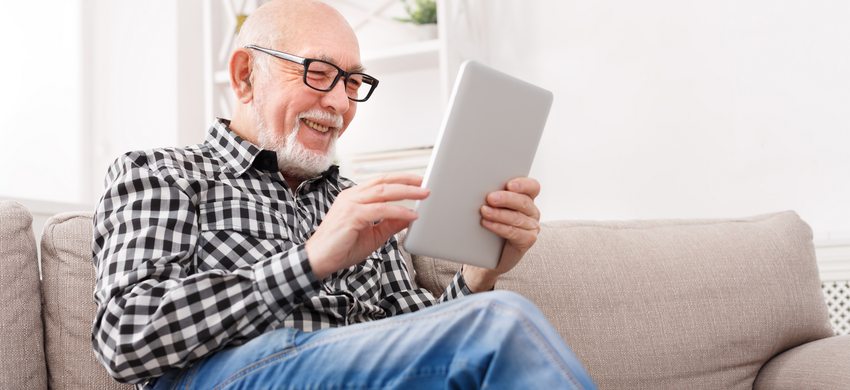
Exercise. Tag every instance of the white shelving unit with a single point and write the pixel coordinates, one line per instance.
(220, 22)
(416, 80)
(410, 77)
(413, 56)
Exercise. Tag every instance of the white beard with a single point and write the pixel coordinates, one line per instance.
(293, 159)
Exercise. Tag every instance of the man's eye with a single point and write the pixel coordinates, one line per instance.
(317, 74)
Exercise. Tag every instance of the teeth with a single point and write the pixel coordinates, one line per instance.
(316, 126)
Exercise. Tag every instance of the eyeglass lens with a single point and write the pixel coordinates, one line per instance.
(321, 75)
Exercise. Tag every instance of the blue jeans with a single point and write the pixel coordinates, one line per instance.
(494, 340)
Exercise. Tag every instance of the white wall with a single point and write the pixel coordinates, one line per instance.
(87, 80)
(662, 108)
(147, 78)
(669, 109)
(41, 137)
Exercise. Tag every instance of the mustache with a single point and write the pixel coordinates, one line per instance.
(323, 117)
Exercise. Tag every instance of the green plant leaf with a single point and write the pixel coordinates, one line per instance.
(420, 12)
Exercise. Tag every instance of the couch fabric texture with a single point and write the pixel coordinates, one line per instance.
(676, 304)
(69, 308)
(21, 343)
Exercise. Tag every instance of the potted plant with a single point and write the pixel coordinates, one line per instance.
(423, 15)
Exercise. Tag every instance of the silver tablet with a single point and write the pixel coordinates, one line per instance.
(489, 136)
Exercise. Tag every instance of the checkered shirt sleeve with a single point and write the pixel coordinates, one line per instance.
(191, 258)
(155, 312)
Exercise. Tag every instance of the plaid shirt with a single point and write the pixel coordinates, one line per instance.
(200, 248)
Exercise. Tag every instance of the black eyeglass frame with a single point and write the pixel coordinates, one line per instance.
(306, 63)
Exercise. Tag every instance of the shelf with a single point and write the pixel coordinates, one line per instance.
(363, 166)
(419, 55)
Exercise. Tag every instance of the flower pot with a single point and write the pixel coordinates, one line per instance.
(426, 32)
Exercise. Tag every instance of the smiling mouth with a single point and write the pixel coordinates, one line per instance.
(316, 126)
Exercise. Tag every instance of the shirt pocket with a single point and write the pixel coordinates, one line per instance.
(244, 217)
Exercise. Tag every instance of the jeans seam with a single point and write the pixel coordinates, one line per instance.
(258, 365)
(544, 347)
(191, 376)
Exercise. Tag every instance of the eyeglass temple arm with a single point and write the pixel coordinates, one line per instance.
(278, 54)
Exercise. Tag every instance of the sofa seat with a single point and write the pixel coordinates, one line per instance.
(661, 304)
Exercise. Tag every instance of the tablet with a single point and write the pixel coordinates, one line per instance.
(489, 136)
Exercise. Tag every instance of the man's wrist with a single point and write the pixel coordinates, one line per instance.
(479, 279)
(314, 259)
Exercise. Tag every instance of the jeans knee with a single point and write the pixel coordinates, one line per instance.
(508, 298)
(511, 300)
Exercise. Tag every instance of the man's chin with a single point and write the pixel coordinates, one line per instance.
(302, 163)
(299, 162)
(296, 160)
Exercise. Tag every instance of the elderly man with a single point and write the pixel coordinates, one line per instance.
(248, 262)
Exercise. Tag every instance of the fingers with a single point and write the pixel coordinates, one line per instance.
(513, 201)
(389, 193)
(375, 213)
(397, 178)
(519, 195)
(521, 239)
(367, 203)
(519, 229)
(512, 214)
(524, 185)
(390, 188)
(349, 232)
(509, 218)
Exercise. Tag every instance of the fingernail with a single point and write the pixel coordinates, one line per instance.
(513, 186)
(495, 197)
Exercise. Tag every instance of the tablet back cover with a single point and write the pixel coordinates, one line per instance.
(489, 136)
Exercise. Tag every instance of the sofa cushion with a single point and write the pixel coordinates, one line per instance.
(69, 309)
(670, 304)
(22, 363)
(823, 364)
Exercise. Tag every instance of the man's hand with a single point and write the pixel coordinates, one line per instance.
(347, 235)
(512, 215)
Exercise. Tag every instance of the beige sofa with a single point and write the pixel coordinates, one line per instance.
(665, 304)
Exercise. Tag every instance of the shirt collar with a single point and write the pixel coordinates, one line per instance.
(239, 155)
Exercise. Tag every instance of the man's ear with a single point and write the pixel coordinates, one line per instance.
(241, 71)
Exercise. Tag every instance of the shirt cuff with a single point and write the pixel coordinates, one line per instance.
(457, 288)
(286, 280)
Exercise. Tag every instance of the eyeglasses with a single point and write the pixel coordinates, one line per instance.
(322, 75)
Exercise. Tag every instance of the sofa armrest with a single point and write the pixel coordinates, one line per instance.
(821, 364)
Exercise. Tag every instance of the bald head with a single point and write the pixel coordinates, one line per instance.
(287, 25)
(275, 108)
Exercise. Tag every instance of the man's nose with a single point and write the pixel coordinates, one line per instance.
(336, 99)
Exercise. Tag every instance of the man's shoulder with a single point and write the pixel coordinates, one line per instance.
(189, 161)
